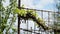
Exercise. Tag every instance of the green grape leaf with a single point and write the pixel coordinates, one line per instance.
(16, 10)
(21, 12)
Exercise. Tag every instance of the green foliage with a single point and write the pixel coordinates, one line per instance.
(5, 16)
(14, 28)
(32, 14)
(21, 12)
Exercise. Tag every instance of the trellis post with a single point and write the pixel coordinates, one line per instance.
(19, 3)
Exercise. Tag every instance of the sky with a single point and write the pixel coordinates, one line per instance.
(37, 4)
(40, 4)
